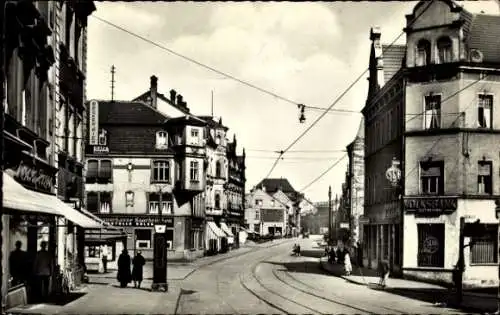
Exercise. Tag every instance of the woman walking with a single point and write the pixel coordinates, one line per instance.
(137, 270)
(124, 276)
(347, 263)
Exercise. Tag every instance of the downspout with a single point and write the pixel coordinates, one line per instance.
(403, 178)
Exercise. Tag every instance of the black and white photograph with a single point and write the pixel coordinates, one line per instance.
(250, 157)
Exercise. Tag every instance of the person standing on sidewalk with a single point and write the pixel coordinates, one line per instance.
(43, 269)
(104, 257)
(124, 276)
(383, 271)
(138, 268)
(347, 262)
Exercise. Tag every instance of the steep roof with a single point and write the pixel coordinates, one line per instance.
(393, 59)
(129, 113)
(186, 120)
(273, 184)
(483, 34)
(361, 129)
(212, 123)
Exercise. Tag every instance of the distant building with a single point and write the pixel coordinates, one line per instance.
(264, 214)
(317, 222)
(235, 190)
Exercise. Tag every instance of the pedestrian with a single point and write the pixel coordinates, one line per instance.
(124, 275)
(383, 271)
(137, 270)
(43, 270)
(347, 263)
(340, 255)
(104, 257)
(18, 265)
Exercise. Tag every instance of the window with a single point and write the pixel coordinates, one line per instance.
(258, 202)
(154, 203)
(129, 199)
(423, 56)
(432, 115)
(105, 199)
(484, 111)
(93, 251)
(161, 140)
(218, 169)
(484, 178)
(431, 178)
(217, 201)
(195, 136)
(483, 249)
(430, 245)
(92, 171)
(161, 171)
(194, 133)
(93, 202)
(143, 238)
(444, 47)
(257, 214)
(194, 171)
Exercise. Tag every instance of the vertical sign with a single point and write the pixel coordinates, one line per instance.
(94, 123)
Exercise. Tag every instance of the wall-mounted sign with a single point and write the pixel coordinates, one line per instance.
(102, 146)
(393, 173)
(430, 245)
(344, 225)
(99, 149)
(431, 205)
(94, 123)
(33, 177)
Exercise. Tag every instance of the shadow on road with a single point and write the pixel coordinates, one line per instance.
(300, 267)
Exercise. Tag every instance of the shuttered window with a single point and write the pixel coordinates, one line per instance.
(105, 171)
(430, 245)
(484, 248)
(92, 171)
(92, 202)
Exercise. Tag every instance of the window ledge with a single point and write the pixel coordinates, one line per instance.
(484, 265)
(161, 182)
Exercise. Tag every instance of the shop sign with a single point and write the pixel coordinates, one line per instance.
(344, 225)
(93, 123)
(431, 206)
(100, 149)
(393, 173)
(31, 176)
(430, 245)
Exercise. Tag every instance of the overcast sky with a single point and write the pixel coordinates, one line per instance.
(306, 52)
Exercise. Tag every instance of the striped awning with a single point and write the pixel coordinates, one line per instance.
(214, 231)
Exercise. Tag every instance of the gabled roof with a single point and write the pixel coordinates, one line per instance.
(186, 120)
(273, 184)
(483, 34)
(393, 60)
(212, 123)
(129, 113)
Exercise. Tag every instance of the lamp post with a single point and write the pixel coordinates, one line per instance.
(160, 251)
(329, 214)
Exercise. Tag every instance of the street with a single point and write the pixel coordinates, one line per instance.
(265, 280)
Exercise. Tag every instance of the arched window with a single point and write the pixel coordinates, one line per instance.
(161, 140)
(218, 169)
(423, 53)
(444, 47)
(217, 201)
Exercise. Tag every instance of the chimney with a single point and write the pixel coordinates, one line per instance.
(153, 90)
(376, 59)
(172, 96)
(179, 100)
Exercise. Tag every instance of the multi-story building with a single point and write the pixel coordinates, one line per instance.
(144, 168)
(433, 121)
(383, 119)
(31, 211)
(216, 200)
(453, 74)
(235, 190)
(264, 214)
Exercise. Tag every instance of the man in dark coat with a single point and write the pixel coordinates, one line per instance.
(18, 265)
(137, 271)
(124, 276)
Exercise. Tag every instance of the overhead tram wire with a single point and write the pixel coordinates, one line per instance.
(324, 173)
(341, 95)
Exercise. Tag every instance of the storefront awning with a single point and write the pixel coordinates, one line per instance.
(212, 227)
(72, 214)
(101, 221)
(226, 229)
(16, 197)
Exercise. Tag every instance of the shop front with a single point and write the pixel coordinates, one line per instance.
(214, 237)
(432, 236)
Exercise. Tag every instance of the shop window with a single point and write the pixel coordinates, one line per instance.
(444, 46)
(161, 171)
(92, 251)
(423, 56)
(484, 181)
(484, 110)
(432, 113)
(430, 245)
(143, 238)
(154, 203)
(483, 249)
(431, 177)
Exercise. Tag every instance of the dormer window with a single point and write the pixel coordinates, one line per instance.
(195, 136)
(161, 140)
(423, 56)
(444, 47)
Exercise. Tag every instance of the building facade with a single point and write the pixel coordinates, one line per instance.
(265, 214)
(32, 212)
(453, 74)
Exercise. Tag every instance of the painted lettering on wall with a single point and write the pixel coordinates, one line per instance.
(430, 205)
(34, 177)
(94, 123)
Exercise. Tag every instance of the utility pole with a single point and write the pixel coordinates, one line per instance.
(212, 105)
(329, 213)
(459, 269)
(113, 82)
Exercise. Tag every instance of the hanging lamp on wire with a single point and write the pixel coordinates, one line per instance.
(302, 116)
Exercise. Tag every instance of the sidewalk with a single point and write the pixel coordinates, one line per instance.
(472, 302)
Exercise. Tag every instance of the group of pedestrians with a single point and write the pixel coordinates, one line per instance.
(125, 275)
(337, 255)
(34, 273)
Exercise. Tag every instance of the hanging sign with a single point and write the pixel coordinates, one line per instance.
(93, 123)
(393, 173)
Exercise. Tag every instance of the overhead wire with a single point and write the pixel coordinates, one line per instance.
(324, 173)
